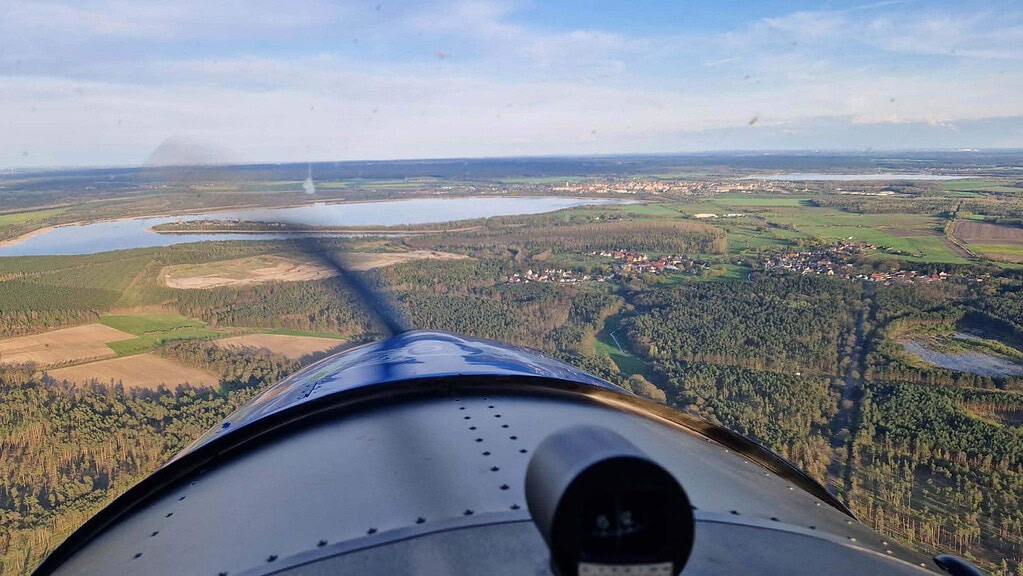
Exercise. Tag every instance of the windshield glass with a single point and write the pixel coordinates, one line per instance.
(802, 222)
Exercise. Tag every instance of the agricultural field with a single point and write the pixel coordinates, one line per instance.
(139, 371)
(911, 236)
(295, 347)
(25, 217)
(60, 347)
(974, 232)
(980, 186)
(152, 330)
(760, 200)
(995, 241)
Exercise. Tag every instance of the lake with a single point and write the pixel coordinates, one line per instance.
(135, 233)
(807, 176)
(973, 362)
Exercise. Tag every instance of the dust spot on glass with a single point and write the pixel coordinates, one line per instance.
(441, 54)
(753, 120)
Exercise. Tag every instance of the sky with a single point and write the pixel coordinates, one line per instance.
(111, 82)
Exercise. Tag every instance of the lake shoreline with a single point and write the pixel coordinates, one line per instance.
(224, 209)
(308, 231)
(409, 216)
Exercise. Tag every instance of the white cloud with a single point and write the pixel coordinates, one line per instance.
(506, 87)
(181, 19)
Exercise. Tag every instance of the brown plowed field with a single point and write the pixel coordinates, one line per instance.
(974, 232)
(141, 371)
(65, 346)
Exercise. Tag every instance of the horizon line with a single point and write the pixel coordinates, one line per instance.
(9, 170)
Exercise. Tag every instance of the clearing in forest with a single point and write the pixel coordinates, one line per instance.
(290, 346)
(140, 371)
(278, 268)
(65, 346)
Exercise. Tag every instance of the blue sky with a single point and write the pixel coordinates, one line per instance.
(105, 82)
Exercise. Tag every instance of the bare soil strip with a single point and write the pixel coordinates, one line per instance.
(141, 371)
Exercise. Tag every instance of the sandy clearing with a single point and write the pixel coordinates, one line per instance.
(261, 269)
(290, 346)
(243, 272)
(141, 371)
(63, 346)
(370, 260)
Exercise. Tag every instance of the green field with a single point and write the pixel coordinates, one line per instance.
(152, 330)
(741, 200)
(30, 216)
(669, 210)
(980, 186)
(918, 236)
(650, 210)
(627, 363)
(143, 324)
(998, 249)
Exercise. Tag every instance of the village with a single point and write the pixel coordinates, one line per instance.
(839, 260)
(686, 187)
(629, 263)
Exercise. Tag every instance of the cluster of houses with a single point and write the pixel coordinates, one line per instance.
(614, 186)
(827, 259)
(630, 263)
(638, 263)
(838, 259)
(711, 215)
(553, 276)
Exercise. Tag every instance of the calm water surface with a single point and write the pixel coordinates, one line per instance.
(124, 234)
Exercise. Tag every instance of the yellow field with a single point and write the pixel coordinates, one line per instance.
(66, 346)
(290, 346)
(141, 371)
(271, 268)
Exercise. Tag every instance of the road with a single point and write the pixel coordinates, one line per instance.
(848, 406)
